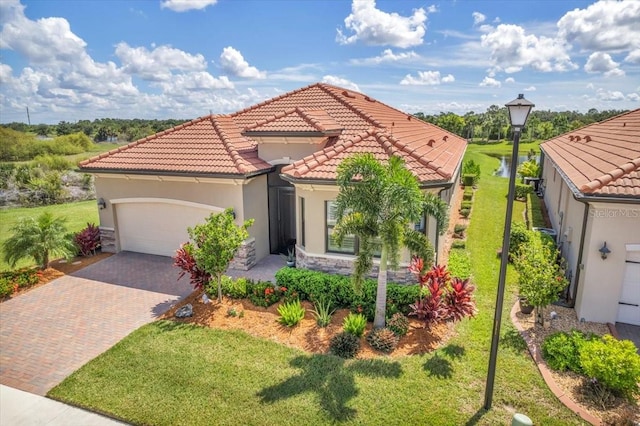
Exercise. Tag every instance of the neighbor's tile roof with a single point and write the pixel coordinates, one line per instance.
(352, 122)
(601, 158)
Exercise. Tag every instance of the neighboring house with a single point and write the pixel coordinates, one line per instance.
(274, 162)
(591, 183)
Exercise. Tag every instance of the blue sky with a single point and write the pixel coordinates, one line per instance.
(72, 60)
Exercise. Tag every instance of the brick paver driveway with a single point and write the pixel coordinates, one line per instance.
(49, 332)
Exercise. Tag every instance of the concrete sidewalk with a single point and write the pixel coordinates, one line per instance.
(19, 408)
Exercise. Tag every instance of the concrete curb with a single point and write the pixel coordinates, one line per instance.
(546, 374)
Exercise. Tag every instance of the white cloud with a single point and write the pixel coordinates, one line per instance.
(530, 89)
(478, 18)
(512, 49)
(156, 65)
(509, 80)
(234, 63)
(490, 82)
(600, 62)
(633, 57)
(603, 26)
(609, 95)
(633, 97)
(427, 78)
(342, 82)
(387, 56)
(194, 81)
(186, 5)
(375, 27)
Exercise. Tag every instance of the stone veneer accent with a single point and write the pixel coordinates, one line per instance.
(245, 259)
(107, 239)
(344, 266)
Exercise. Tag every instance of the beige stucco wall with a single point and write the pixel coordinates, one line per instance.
(222, 193)
(255, 202)
(315, 197)
(600, 284)
(600, 281)
(290, 149)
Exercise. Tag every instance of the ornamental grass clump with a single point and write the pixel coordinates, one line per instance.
(354, 324)
(291, 313)
(322, 312)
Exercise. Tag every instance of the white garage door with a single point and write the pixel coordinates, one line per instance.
(156, 227)
(629, 306)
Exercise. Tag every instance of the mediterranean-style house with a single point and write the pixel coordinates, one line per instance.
(591, 184)
(274, 162)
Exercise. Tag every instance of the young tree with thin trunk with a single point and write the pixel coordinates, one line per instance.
(39, 239)
(379, 203)
(216, 242)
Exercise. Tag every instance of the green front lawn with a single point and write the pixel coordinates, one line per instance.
(167, 373)
(77, 214)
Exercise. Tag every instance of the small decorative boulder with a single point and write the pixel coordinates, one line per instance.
(185, 311)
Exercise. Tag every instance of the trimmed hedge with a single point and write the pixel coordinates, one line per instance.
(338, 290)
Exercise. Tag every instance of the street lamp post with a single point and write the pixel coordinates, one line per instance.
(519, 110)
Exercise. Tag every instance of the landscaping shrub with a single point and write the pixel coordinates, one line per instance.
(291, 313)
(6, 172)
(337, 290)
(382, 339)
(465, 212)
(10, 281)
(52, 162)
(344, 345)
(322, 312)
(471, 168)
(466, 205)
(263, 293)
(234, 289)
(88, 240)
(519, 236)
(459, 263)
(399, 324)
(458, 244)
(354, 324)
(614, 363)
(468, 194)
(445, 298)
(561, 350)
(459, 229)
(468, 180)
(184, 260)
(522, 191)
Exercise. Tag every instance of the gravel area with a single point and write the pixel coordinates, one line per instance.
(620, 411)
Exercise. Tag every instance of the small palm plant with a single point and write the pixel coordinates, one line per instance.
(39, 239)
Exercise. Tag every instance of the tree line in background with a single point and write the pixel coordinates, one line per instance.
(491, 125)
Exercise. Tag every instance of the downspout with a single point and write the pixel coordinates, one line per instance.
(585, 216)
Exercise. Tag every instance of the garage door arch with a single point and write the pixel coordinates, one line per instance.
(157, 225)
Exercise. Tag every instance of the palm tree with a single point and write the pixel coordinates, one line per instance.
(38, 238)
(378, 203)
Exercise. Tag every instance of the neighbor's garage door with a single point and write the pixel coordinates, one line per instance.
(629, 306)
(156, 228)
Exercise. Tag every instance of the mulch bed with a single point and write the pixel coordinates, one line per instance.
(306, 336)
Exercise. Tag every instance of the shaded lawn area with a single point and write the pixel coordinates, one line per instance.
(77, 214)
(167, 373)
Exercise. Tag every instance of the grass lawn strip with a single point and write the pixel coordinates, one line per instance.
(167, 373)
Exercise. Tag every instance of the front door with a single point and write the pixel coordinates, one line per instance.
(282, 214)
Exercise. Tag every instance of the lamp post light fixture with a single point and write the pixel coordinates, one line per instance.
(519, 110)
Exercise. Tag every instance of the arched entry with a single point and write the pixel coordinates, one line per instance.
(282, 213)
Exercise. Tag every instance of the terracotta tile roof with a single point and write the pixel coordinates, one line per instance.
(351, 121)
(602, 158)
(207, 145)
